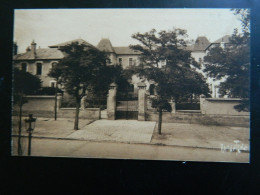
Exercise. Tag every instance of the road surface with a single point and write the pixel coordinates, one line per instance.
(112, 150)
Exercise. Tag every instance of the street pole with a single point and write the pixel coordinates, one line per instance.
(29, 144)
(30, 139)
(20, 129)
(29, 121)
(55, 109)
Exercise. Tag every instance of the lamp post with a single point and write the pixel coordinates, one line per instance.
(30, 125)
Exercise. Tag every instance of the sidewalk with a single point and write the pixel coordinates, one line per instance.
(129, 131)
(48, 127)
(145, 132)
(202, 136)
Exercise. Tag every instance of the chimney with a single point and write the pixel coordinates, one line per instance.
(15, 48)
(28, 49)
(33, 48)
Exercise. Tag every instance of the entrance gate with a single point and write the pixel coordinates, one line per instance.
(127, 104)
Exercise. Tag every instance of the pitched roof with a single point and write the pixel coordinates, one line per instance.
(201, 44)
(225, 39)
(125, 50)
(46, 53)
(80, 41)
(105, 45)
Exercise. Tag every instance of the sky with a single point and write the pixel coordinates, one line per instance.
(52, 26)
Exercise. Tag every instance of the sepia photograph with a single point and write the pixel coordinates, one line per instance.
(144, 84)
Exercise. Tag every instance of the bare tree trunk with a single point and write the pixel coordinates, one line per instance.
(20, 128)
(76, 123)
(160, 121)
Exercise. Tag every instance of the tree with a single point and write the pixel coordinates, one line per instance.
(178, 77)
(55, 73)
(24, 84)
(106, 75)
(83, 68)
(232, 63)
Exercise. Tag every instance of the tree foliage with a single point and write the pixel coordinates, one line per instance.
(175, 79)
(83, 69)
(232, 61)
(178, 76)
(24, 84)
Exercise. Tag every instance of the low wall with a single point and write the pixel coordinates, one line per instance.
(41, 103)
(43, 106)
(220, 106)
(198, 118)
(87, 113)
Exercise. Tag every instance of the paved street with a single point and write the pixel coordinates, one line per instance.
(136, 140)
(90, 149)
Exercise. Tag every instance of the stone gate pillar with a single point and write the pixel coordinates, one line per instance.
(173, 105)
(202, 104)
(59, 98)
(82, 102)
(111, 102)
(141, 101)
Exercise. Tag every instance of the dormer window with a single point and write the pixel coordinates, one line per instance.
(24, 67)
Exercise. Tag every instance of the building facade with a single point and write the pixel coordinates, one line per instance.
(39, 61)
(200, 49)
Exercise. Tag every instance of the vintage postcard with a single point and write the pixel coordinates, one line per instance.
(153, 84)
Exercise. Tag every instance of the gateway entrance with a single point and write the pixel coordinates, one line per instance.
(127, 104)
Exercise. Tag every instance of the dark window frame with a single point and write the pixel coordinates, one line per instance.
(24, 67)
(120, 60)
(53, 84)
(152, 89)
(130, 61)
(53, 64)
(38, 68)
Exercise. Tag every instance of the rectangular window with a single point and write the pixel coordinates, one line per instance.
(130, 61)
(24, 67)
(53, 64)
(38, 69)
(120, 60)
(109, 61)
(53, 84)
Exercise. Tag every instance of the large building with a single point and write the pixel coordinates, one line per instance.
(200, 49)
(39, 61)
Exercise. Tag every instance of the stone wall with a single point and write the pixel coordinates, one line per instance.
(87, 113)
(43, 106)
(214, 111)
(198, 118)
(220, 106)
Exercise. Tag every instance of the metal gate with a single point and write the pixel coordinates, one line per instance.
(127, 104)
(188, 104)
